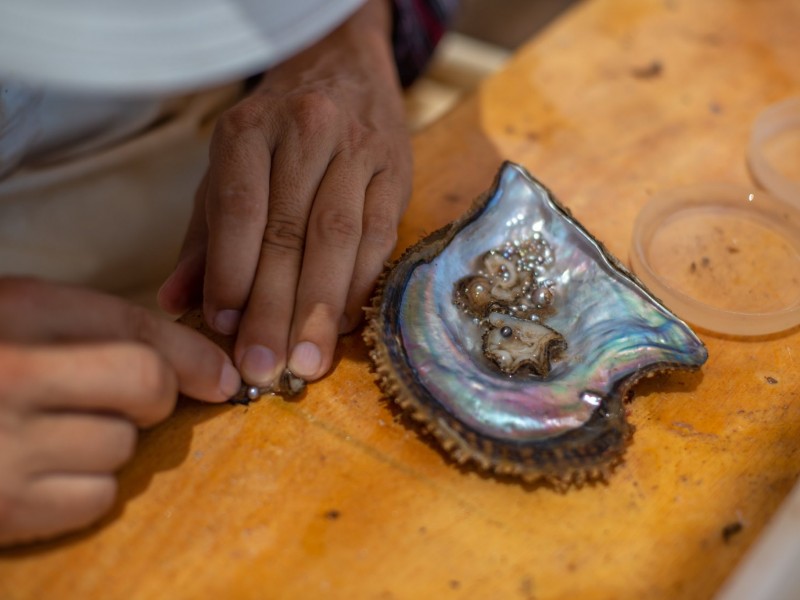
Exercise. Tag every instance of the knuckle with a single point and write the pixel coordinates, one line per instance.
(282, 236)
(326, 311)
(380, 230)
(140, 323)
(364, 135)
(313, 111)
(157, 383)
(359, 143)
(337, 227)
(240, 200)
(238, 120)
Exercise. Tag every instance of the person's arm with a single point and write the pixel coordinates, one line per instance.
(79, 373)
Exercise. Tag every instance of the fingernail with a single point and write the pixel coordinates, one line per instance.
(305, 360)
(230, 382)
(258, 365)
(227, 321)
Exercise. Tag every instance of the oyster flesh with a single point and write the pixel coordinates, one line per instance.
(515, 337)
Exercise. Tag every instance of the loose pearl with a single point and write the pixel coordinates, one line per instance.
(543, 297)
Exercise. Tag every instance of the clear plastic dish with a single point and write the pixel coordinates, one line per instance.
(773, 153)
(722, 257)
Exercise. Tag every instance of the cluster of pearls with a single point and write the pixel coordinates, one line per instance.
(533, 254)
(510, 279)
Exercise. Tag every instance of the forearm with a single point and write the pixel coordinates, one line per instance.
(397, 36)
(361, 43)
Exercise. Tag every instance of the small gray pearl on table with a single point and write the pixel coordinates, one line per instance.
(253, 392)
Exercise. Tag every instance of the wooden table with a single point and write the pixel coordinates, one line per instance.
(335, 496)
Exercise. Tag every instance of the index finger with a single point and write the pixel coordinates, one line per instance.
(236, 212)
(38, 312)
(119, 377)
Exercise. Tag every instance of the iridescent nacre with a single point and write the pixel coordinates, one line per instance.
(444, 347)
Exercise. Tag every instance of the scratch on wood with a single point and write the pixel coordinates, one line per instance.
(684, 429)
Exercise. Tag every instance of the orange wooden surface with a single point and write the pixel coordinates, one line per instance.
(336, 496)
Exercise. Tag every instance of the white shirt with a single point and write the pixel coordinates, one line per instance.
(39, 126)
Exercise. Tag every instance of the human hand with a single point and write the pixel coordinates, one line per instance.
(299, 208)
(79, 372)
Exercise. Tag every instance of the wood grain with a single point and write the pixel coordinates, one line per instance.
(336, 496)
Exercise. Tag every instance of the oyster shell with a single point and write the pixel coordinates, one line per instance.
(515, 337)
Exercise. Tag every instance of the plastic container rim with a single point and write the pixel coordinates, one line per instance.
(673, 202)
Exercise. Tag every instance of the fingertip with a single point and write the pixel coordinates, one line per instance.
(259, 365)
(226, 321)
(306, 361)
(230, 381)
